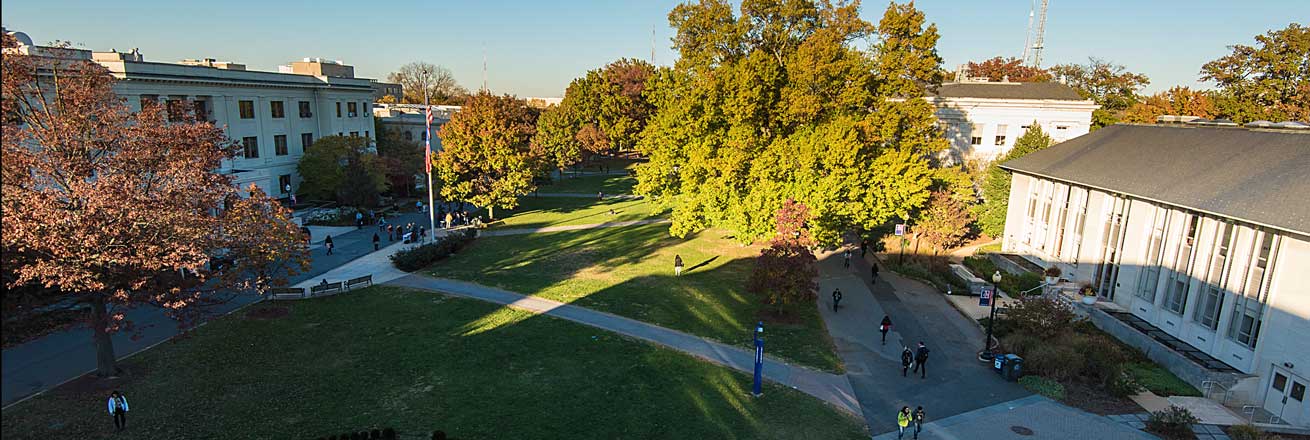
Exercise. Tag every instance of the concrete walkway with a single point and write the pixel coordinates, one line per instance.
(500, 232)
(828, 387)
(1033, 417)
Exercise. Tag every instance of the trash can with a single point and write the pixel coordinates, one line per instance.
(1013, 367)
(998, 364)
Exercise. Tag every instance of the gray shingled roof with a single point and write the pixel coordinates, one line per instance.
(1259, 176)
(1050, 90)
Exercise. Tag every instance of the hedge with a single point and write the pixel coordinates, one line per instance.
(419, 257)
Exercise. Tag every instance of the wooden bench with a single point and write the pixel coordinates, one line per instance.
(323, 289)
(365, 280)
(286, 292)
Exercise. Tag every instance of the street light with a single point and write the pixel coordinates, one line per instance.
(991, 321)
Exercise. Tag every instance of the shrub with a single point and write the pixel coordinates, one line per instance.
(1041, 317)
(1020, 344)
(375, 434)
(1173, 423)
(389, 434)
(1249, 432)
(416, 258)
(1043, 386)
(1122, 384)
(1055, 361)
(1102, 357)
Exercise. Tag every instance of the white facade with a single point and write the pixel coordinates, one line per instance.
(275, 115)
(409, 121)
(986, 126)
(1233, 290)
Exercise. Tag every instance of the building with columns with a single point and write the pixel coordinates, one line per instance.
(1196, 240)
(983, 119)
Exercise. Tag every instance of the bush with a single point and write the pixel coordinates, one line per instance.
(416, 258)
(389, 434)
(1043, 386)
(1122, 384)
(1249, 432)
(1055, 361)
(1103, 358)
(1041, 317)
(1173, 423)
(1020, 344)
(375, 434)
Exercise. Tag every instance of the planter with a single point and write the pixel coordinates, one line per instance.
(1089, 300)
(1051, 281)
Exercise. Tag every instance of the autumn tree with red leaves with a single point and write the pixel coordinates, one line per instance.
(118, 209)
(1010, 69)
(784, 272)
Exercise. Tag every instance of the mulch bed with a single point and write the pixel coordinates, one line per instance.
(1095, 400)
(267, 312)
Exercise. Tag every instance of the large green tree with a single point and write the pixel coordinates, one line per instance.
(1270, 82)
(990, 214)
(1110, 85)
(777, 104)
(486, 157)
(603, 111)
(342, 168)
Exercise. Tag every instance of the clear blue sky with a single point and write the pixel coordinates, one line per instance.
(534, 48)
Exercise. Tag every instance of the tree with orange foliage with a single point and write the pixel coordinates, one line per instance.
(118, 209)
(784, 272)
(1179, 100)
(1011, 69)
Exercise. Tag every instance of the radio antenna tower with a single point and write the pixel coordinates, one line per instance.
(1035, 41)
(652, 45)
(484, 67)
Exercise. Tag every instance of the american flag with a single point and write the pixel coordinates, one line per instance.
(427, 144)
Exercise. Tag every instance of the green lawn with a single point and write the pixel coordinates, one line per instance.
(610, 184)
(538, 212)
(628, 271)
(417, 361)
(1160, 381)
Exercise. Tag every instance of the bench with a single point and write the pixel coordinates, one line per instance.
(286, 292)
(975, 284)
(323, 289)
(366, 280)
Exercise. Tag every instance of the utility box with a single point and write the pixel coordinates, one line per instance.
(1011, 367)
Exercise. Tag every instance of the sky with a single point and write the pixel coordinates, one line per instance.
(535, 48)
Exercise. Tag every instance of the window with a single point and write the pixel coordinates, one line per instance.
(1107, 272)
(305, 110)
(284, 183)
(338, 109)
(975, 134)
(1048, 195)
(354, 134)
(1061, 220)
(201, 108)
(1079, 225)
(366, 134)
(1149, 278)
(409, 136)
(276, 108)
(1000, 134)
(306, 139)
(149, 100)
(1298, 391)
(1179, 279)
(250, 145)
(1280, 382)
(1212, 297)
(352, 110)
(1249, 307)
(1033, 195)
(280, 144)
(247, 109)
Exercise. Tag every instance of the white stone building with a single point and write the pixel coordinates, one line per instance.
(409, 121)
(983, 119)
(1196, 240)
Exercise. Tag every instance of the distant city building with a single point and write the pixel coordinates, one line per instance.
(274, 115)
(535, 102)
(381, 89)
(983, 119)
(409, 120)
(1196, 240)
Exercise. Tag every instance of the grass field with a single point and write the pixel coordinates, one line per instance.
(628, 271)
(539, 212)
(416, 362)
(610, 184)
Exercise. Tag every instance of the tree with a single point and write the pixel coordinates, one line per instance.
(778, 104)
(603, 111)
(784, 272)
(401, 160)
(1270, 82)
(1110, 85)
(486, 156)
(556, 140)
(118, 210)
(944, 222)
(437, 81)
(388, 99)
(342, 168)
(1176, 101)
(996, 182)
(1011, 69)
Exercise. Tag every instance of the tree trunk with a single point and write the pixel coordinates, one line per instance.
(491, 213)
(106, 363)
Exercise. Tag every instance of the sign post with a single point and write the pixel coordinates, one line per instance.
(759, 359)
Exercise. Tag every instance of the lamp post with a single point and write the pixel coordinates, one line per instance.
(991, 321)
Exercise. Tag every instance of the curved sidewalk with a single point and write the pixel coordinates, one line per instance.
(830, 388)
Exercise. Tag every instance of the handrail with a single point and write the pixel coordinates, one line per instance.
(1209, 385)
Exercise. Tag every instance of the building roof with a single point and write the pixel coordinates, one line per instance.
(1255, 175)
(1009, 90)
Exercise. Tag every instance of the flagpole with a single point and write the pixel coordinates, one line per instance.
(427, 157)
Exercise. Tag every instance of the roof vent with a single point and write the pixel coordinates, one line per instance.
(1175, 119)
(1293, 125)
(1200, 121)
(1259, 124)
(1224, 122)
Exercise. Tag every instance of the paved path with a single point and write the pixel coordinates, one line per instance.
(499, 232)
(46, 362)
(828, 387)
(1028, 418)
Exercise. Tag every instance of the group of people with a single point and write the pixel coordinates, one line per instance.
(905, 417)
(408, 233)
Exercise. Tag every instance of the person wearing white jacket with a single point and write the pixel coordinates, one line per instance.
(118, 409)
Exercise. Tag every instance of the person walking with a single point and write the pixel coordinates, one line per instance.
(903, 421)
(873, 265)
(921, 360)
(907, 358)
(677, 265)
(118, 409)
(448, 218)
(846, 259)
(327, 242)
(391, 233)
(359, 220)
(422, 234)
(864, 247)
(836, 298)
(885, 327)
(600, 195)
(376, 240)
(918, 421)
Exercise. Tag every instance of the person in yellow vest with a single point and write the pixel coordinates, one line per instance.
(903, 421)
